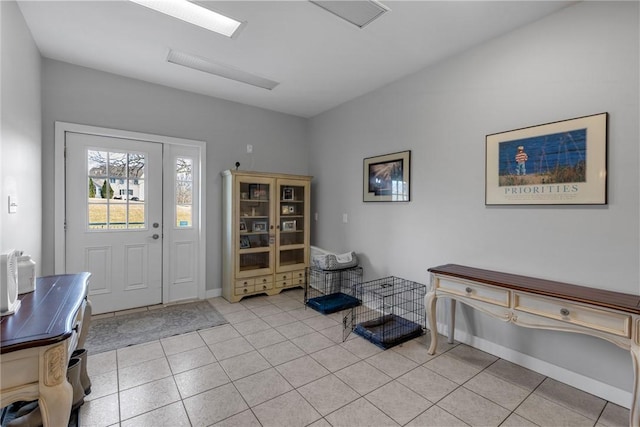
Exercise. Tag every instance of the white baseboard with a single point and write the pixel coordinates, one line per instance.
(213, 293)
(605, 391)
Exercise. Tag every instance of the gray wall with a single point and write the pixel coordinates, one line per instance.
(20, 136)
(582, 60)
(81, 95)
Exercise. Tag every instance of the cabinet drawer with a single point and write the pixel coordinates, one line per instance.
(263, 286)
(245, 282)
(299, 277)
(588, 317)
(284, 276)
(245, 290)
(475, 291)
(263, 280)
(283, 283)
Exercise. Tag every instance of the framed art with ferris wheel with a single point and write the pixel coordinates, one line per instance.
(558, 163)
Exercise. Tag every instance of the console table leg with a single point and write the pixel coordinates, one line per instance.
(430, 307)
(634, 412)
(56, 394)
(55, 404)
(452, 319)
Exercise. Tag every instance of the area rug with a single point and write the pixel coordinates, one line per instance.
(111, 333)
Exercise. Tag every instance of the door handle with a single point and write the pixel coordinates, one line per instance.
(155, 236)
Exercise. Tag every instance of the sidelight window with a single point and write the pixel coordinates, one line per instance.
(184, 192)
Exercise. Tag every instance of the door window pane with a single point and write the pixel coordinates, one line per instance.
(118, 164)
(97, 163)
(184, 192)
(115, 190)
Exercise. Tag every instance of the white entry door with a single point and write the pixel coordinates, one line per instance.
(114, 218)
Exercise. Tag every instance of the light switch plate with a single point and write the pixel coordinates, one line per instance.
(13, 204)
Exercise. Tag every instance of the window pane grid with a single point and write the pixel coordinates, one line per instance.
(116, 190)
(184, 192)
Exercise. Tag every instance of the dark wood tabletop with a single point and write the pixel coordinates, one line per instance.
(46, 315)
(599, 297)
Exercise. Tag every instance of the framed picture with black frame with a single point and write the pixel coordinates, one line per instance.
(387, 178)
(558, 163)
(288, 193)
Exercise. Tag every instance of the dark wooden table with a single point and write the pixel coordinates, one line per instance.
(36, 342)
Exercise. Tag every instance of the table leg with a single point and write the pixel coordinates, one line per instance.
(56, 394)
(452, 319)
(430, 307)
(634, 412)
(53, 401)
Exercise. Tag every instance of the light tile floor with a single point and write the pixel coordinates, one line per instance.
(279, 364)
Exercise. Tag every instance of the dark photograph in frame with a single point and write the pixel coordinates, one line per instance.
(387, 178)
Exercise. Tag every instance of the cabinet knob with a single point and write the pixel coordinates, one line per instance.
(246, 290)
(468, 290)
(284, 277)
(565, 312)
(264, 287)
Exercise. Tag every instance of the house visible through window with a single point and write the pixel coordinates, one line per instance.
(116, 190)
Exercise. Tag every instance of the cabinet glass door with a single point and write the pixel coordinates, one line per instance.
(255, 231)
(292, 233)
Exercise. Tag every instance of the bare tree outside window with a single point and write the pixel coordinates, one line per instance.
(184, 192)
(116, 189)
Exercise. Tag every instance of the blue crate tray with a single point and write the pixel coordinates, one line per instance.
(332, 303)
(388, 331)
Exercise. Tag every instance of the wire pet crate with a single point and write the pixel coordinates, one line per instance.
(392, 311)
(329, 291)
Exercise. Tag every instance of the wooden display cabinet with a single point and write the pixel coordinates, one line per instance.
(265, 232)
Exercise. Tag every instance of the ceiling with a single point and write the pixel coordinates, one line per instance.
(319, 60)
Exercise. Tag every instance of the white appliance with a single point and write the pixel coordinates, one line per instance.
(9, 302)
(26, 274)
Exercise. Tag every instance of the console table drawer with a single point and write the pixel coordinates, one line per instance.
(588, 317)
(475, 291)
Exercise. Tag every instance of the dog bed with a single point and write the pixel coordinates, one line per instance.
(388, 330)
(326, 260)
(332, 303)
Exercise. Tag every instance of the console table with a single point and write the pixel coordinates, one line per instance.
(541, 304)
(37, 341)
